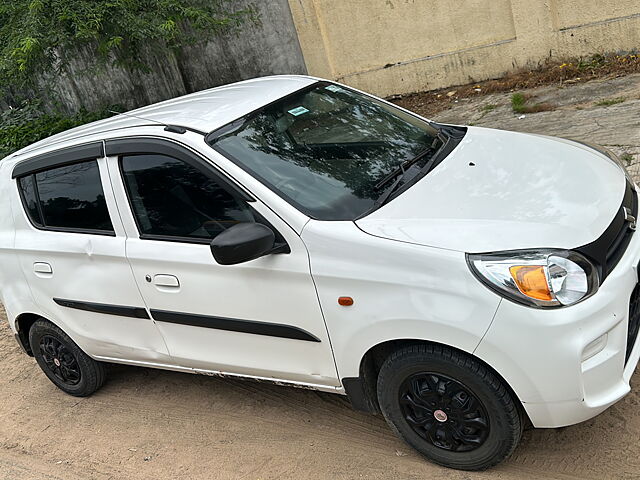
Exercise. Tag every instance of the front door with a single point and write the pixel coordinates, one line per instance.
(261, 318)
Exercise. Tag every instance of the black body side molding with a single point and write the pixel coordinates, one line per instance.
(59, 158)
(118, 310)
(234, 325)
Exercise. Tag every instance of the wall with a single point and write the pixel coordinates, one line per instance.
(400, 46)
(269, 47)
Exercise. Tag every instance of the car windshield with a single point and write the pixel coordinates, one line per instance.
(331, 152)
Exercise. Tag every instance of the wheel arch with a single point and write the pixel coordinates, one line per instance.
(362, 390)
(23, 324)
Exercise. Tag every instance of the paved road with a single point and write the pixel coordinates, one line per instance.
(150, 424)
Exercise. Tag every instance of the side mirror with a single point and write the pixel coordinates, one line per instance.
(242, 242)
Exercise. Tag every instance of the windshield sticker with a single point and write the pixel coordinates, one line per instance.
(298, 111)
(334, 88)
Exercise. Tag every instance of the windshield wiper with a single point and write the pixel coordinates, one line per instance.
(385, 196)
(401, 171)
(404, 166)
(432, 161)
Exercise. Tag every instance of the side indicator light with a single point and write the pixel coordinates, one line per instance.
(345, 301)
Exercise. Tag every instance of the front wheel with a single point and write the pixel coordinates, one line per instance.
(63, 362)
(449, 407)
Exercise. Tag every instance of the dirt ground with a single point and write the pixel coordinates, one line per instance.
(151, 424)
(553, 73)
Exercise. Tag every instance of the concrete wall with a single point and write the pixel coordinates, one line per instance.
(269, 47)
(400, 46)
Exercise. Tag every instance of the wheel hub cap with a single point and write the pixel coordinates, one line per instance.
(59, 361)
(440, 416)
(444, 412)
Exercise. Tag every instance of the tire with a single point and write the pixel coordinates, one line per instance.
(63, 362)
(449, 407)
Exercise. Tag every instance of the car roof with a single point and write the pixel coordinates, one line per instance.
(202, 111)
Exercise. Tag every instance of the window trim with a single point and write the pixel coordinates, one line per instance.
(44, 227)
(150, 145)
(58, 158)
(153, 145)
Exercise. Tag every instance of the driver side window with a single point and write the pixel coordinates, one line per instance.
(171, 198)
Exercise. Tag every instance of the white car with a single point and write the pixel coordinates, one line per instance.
(463, 282)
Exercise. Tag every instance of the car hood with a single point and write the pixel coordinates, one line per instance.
(503, 190)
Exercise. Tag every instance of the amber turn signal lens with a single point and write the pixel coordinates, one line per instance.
(345, 301)
(531, 281)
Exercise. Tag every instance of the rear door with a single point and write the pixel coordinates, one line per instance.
(71, 246)
(261, 318)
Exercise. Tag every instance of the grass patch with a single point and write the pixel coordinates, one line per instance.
(627, 158)
(518, 101)
(609, 101)
(595, 62)
(520, 104)
(488, 108)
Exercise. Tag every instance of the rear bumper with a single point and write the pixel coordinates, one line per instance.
(568, 365)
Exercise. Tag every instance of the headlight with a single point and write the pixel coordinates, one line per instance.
(537, 278)
(610, 155)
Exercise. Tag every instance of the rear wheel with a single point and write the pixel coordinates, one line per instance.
(449, 407)
(63, 362)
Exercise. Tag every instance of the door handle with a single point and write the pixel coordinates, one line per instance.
(42, 269)
(166, 281)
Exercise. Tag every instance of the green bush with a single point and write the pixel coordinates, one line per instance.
(27, 124)
(41, 35)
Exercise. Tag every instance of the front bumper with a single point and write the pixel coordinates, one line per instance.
(568, 365)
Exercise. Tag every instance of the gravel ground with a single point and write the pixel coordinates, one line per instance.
(151, 424)
(577, 114)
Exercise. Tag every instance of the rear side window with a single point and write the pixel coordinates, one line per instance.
(68, 198)
(27, 185)
(171, 198)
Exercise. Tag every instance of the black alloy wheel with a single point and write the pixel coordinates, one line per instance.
(449, 406)
(59, 360)
(444, 412)
(63, 361)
